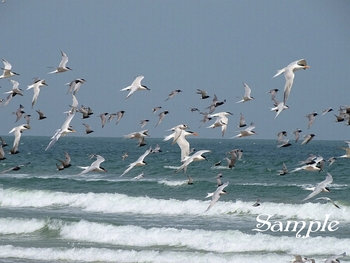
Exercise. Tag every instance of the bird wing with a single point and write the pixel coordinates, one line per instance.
(64, 60)
(289, 75)
(216, 195)
(7, 65)
(54, 139)
(36, 94)
(247, 90)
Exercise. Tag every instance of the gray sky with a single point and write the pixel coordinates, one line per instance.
(210, 45)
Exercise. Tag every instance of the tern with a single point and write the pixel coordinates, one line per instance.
(221, 121)
(197, 156)
(241, 121)
(257, 203)
(143, 123)
(311, 118)
(156, 149)
(27, 117)
(7, 72)
(75, 85)
(18, 132)
(215, 103)
(173, 93)
(62, 66)
(326, 111)
(246, 96)
(280, 135)
(65, 129)
(13, 92)
(15, 168)
(310, 166)
(125, 155)
(179, 137)
(19, 112)
(247, 132)
(284, 143)
(289, 75)
(331, 160)
(321, 187)
(95, 166)
(139, 177)
(297, 134)
(161, 117)
(308, 138)
(190, 180)
(279, 108)
(334, 259)
(36, 88)
(219, 191)
(135, 85)
(155, 109)
(139, 162)
(218, 180)
(284, 170)
(87, 128)
(41, 115)
(103, 118)
(64, 163)
(273, 93)
(203, 94)
(137, 135)
(347, 151)
(120, 115)
(206, 118)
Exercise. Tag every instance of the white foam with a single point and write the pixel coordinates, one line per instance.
(126, 256)
(225, 241)
(20, 226)
(121, 203)
(173, 183)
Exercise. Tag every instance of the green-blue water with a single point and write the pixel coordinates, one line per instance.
(48, 215)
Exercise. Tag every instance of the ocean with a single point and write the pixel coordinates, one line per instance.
(48, 215)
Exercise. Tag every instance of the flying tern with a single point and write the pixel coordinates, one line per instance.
(139, 162)
(7, 70)
(308, 138)
(75, 85)
(221, 121)
(65, 129)
(219, 191)
(135, 85)
(289, 75)
(95, 166)
(173, 93)
(247, 132)
(334, 259)
(62, 66)
(203, 94)
(247, 92)
(36, 88)
(321, 187)
(18, 132)
(197, 156)
(311, 118)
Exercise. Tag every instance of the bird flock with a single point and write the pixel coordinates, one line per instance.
(179, 133)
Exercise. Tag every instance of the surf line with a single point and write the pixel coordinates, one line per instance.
(264, 224)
